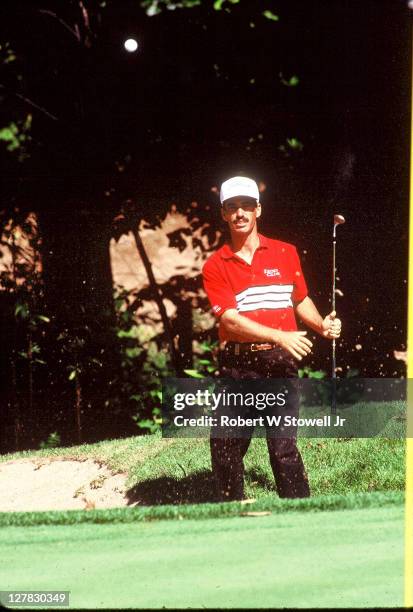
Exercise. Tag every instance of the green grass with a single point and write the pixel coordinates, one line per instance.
(168, 471)
(347, 558)
(272, 504)
(343, 547)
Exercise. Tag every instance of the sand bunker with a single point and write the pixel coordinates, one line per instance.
(59, 484)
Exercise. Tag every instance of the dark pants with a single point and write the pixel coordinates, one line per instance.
(227, 454)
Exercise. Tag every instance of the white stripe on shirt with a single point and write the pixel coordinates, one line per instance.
(272, 297)
(273, 290)
(272, 305)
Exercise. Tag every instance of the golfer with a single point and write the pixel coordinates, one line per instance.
(256, 287)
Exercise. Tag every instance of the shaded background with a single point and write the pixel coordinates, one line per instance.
(311, 99)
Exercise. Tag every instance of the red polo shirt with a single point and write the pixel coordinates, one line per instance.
(264, 291)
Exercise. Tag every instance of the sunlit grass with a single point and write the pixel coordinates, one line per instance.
(165, 471)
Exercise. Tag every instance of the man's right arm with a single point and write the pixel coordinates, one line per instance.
(294, 342)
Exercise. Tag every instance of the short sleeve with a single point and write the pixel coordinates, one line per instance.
(300, 290)
(217, 288)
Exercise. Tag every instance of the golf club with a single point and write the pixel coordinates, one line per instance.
(338, 220)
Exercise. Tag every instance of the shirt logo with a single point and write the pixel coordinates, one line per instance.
(272, 272)
(216, 308)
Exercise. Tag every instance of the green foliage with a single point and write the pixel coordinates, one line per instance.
(9, 135)
(145, 362)
(22, 280)
(34, 322)
(17, 137)
(204, 360)
(295, 144)
(151, 425)
(193, 373)
(155, 7)
(308, 372)
(21, 310)
(291, 82)
(292, 145)
(270, 15)
(53, 441)
(218, 4)
(73, 345)
(7, 54)
(322, 394)
(318, 394)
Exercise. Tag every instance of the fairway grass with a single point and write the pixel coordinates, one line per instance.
(347, 558)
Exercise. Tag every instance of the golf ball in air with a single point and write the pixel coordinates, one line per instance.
(130, 45)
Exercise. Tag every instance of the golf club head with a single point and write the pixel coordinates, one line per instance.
(339, 220)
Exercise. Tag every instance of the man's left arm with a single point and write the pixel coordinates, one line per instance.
(329, 327)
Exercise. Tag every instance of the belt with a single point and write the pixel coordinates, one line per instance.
(245, 347)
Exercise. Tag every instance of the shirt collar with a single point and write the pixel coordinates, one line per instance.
(227, 252)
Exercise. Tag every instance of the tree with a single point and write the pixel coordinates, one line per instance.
(95, 139)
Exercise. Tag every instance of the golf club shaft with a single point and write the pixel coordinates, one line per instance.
(333, 302)
(338, 220)
(333, 359)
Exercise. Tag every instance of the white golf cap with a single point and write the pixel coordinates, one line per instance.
(239, 186)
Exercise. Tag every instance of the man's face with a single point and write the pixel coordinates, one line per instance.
(241, 214)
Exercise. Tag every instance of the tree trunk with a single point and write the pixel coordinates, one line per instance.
(157, 293)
